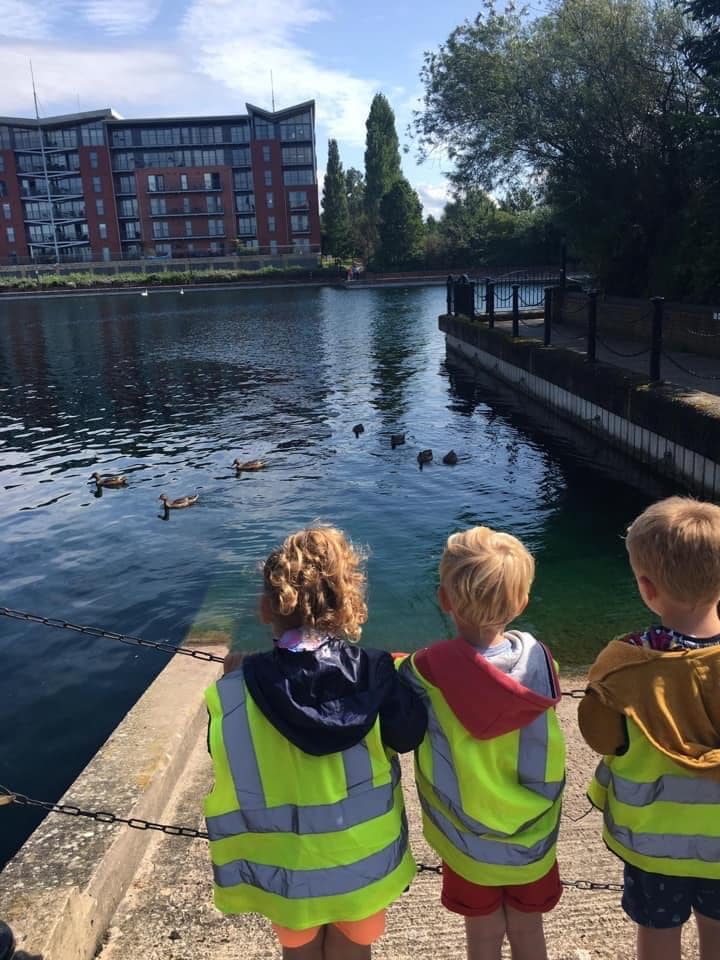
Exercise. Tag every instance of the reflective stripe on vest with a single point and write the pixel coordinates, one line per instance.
(664, 845)
(328, 882)
(532, 762)
(667, 788)
(362, 803)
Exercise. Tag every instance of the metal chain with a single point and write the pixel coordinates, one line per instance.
(576, 884)
(692, 373)
(620, 353)
(101, 816)
(111, 635)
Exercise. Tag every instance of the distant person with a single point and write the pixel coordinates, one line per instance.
(491, 770)
(653, 708)
(306, 817)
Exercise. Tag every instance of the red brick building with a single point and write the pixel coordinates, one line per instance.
(97, 187)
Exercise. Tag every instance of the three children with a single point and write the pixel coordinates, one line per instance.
(306, 817)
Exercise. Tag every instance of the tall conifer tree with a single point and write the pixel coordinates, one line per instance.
(336, 219)
(382, 158)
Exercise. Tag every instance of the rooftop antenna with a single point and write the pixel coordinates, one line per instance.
(45, 168)
(272, 91)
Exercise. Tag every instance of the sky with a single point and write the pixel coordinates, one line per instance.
(148, 58)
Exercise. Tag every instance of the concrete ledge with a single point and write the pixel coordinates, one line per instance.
(62, 888)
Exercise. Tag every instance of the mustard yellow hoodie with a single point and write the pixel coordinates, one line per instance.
(672, 696)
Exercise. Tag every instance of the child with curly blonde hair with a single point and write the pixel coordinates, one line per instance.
(306, 817)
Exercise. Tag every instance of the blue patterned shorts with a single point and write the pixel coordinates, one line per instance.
(660, 902)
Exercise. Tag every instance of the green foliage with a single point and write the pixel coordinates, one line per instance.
(401, 228)
(336, 219)
(382, 158)
(359, 226)
(596, 106)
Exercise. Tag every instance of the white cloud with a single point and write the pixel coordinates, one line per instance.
(120, 17)
(25, 19)
(433, 197)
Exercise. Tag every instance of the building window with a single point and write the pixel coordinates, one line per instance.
(183, 181)
(300, 223)
(240, 157)
(92, 135)
(186, 205)
(2, 163)
(160, 228)
(298, 199)
(216, 228)
(269, 201)
(240, 134)
(126, 184)
(264, 130)
(163, 250)
(297, 155)
(268, 178)
(273, 247)
(106, 253)
(302, 245)
(271, 224)
(7, 212)
(299, 178)
(300, 128)
(242, 179)
(211, 181)
(94, 159)
(156, 183)
(127, 208)
(214, 204)
(3, 188)
(188, 228)
(266, 153)
(100, 208)
(121, 138)
(97, 184)
(102, 229)
(247, 226)
(10, 231)
(245, 203)
(158, 206)
(132, 230)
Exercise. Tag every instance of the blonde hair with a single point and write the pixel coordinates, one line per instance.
(486, 576)
(676, 543)
(316, 576)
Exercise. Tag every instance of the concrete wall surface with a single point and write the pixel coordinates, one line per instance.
(674, 429)
(61, 889)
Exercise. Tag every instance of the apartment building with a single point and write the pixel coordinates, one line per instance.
(94, 186)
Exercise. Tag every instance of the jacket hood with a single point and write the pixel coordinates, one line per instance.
(487, 701)
(672, 696)
(323, 700)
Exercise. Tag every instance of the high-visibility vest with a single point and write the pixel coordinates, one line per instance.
(491, 808)
(657, 815)
(305, 840)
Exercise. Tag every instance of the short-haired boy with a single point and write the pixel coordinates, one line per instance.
(653, 708)
(491, 769)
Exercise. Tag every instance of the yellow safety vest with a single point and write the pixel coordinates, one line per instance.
(304, 840)
(657, 815)
(491, 808)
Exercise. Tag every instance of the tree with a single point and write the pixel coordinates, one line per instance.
(382, 158)
(401, 227)
(336, 219)
(593, 103)
(355, 192)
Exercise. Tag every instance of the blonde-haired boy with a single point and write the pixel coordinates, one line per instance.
(653, 708)
(490, 771)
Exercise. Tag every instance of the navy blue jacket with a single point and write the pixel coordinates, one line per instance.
(327, 700)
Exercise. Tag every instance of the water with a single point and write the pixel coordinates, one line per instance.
(170, 390)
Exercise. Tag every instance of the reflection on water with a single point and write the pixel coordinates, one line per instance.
(168, 391)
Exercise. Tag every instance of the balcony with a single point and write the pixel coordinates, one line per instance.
(186, 190)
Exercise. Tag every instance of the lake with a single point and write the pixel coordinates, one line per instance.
(170, 389)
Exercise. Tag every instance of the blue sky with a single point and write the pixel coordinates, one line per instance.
(169, 57)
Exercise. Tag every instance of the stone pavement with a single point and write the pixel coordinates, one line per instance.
(167, 913)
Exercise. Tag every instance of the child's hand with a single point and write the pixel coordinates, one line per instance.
(233, 661)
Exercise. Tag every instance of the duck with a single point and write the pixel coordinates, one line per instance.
(358, 429)
(144, 293)
(425, 456)
(182, 291)
(248, 465)
(109, 480)
(450, 458)
(179, 503)
(397, 439)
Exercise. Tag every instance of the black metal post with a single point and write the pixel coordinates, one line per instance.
(516, 309)
(490, 302)
(656, 337)
(449, 294)
(547, 326)
(592, 326)
(563, 265)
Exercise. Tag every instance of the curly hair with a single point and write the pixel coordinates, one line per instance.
(316, 575)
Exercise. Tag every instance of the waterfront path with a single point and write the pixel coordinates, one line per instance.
(168, 914)
(610, 346)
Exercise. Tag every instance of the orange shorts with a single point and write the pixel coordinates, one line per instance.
(363, 932)
(474, 900)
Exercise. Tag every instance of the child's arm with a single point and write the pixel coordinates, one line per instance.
(603, 729)
(403, 715)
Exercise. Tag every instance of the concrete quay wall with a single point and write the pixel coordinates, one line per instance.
(673, 429)
(62, 888)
